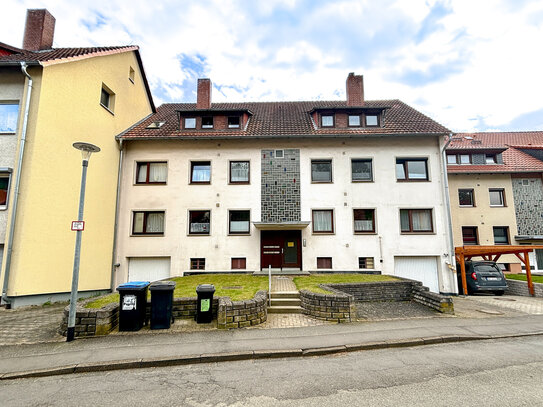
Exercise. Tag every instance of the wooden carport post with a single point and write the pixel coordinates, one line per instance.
(526, 261)
(463, 273)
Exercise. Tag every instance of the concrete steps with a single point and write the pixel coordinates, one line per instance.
(285, 303)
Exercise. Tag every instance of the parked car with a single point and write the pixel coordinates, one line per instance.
(482, 276)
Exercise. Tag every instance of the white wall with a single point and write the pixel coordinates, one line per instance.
(385, 194)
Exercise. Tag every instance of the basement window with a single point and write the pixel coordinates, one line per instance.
(198, 263)
(239, 263)
(324, 262)
(365, 263)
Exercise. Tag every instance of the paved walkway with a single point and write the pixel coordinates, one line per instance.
(30, 324)
(283, 284)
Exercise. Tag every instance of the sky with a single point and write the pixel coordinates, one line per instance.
(471, 65)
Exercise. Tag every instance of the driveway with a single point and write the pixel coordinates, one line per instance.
(481, 305)
(30, 324)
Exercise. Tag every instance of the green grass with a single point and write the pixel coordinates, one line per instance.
(311, 283)
(522, 277)
(236, 286)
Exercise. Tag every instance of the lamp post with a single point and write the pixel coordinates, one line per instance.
(86, 150)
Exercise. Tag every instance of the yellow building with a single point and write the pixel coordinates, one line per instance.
(49, 100)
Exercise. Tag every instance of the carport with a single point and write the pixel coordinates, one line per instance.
(493, 253)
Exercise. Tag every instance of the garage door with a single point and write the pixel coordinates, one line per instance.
(148, 268)
(422, 269)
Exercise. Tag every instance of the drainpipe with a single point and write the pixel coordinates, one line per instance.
(17, 185)
(114, 263)
(448, 202)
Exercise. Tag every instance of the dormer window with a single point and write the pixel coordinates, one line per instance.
(327, 120)
(233, 122)
(490, 159)
(372, 120)
(190, 123)
(354, 120)
(207, 122)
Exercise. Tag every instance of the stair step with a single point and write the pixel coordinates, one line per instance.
(284, 310)
(285, 294)
(286, 302)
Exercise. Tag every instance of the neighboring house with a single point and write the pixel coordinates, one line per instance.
(72, 94)
(496, 191)
(315, 186)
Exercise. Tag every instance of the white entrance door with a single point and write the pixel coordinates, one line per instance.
(422, 269)
(148, 268)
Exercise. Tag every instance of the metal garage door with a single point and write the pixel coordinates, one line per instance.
(418, 268)
(148, 268)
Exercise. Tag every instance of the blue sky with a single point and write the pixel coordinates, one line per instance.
(470, 65)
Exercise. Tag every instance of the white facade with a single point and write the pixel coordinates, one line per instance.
(384, 194)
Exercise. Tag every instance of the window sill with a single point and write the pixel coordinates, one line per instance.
(147, 234)
(149, 183)
(358, 181)
(239, 183)
(466, 206)
(7, 132)
(108, 109)
(198, 234)
(322, 182)
(412, 180)
(239, 234)
(323, 233)
(417, 233)
(365, 233)
(200, 183)
(498, 206)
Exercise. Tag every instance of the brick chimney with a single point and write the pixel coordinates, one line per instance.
(355, 90)
(39, 30)
(203, 99)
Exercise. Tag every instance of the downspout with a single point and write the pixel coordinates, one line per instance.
(448, 203)
(114, 263)
(17, 186)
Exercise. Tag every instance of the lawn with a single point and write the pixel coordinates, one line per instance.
(235, 286)
(522, 277)
(311, 283)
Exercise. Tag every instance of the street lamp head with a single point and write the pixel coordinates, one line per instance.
(86, 149)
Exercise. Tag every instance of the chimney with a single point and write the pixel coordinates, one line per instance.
(39, 30)
(355, 90)
(203, 99)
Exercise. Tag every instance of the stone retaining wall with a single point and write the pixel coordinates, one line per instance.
(337, 307)
(91, 321)
(516, 287)
(241, 314)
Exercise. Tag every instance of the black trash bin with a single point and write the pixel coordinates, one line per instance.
(161, 304)
(133, 305)
(204, 309)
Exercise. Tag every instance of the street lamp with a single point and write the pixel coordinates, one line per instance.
(86, 150)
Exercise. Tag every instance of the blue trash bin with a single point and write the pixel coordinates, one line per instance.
(133, 305)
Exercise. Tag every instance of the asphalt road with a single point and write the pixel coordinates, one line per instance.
(497, 372)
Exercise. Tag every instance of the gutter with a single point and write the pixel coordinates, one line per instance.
(452, 260)
(17, 185)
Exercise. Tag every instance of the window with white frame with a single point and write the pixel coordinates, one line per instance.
(323, 221)
(148, 223)
(416, 220)
(239, 222)
(151, 172)
(9, 112)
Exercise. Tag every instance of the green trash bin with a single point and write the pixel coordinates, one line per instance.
(204, 308)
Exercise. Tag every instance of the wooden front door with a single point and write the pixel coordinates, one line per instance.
(281, 249)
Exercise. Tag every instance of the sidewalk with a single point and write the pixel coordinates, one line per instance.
(153, 350)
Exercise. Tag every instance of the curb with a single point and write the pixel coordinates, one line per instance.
(249, 355)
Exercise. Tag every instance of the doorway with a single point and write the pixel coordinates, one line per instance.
(281, 249)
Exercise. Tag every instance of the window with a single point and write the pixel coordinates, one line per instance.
(207, 122)
(490, 159)
(361, 170)
(239, 263)
(131, 74)
(148, 223)
(354, 120)
(151, 173)
(279, 153)
(364, 220)
(190, 123)
(525, 182)
(324, 262)
(200, 172)
(239, 172)
(372, 120)
(459, 159)
(199, 222)
(321, 170)
(469, 235)
(156, 125)
(465, 159)
(416, 220)
(451, 159)
(496, 197)
(239, 222)
(107, 98)
(233, 122)
(465, 197)
(327, 120)
(323, 221)
(412, 169)
(501, 235)
(198, 263)
(5, 177)
(8, 117)
(365, 263)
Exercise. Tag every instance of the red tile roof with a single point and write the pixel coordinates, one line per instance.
(284, 119)
(513, 144)
(56, 54)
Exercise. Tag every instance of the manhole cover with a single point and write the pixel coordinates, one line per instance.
(505, 299)
(234, 287)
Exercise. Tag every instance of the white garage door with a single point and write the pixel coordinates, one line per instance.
(418, 268)
(148, 268)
